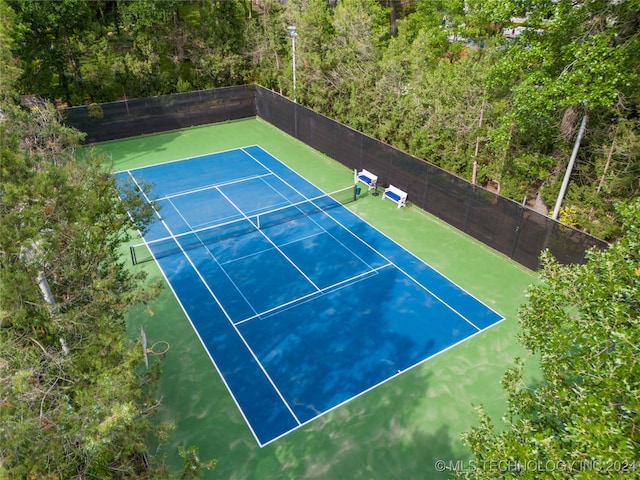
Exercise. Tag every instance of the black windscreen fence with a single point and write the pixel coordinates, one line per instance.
(507, 226)
(127, 118)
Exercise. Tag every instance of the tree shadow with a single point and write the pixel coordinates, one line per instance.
(383, 434)
(376, 436)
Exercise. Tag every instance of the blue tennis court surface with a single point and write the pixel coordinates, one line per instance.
(300, 304)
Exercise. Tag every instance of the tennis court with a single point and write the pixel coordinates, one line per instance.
(300, 304)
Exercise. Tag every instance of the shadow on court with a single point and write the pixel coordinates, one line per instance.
(136, 150)
(383, 434)
(376, 436)
(396, 431)
(393, 431)
(143, 150)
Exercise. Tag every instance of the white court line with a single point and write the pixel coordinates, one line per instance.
(184, 159)
(255, 357)
(285, 200)
(235, 259)
(213, 257)
(424, 287)
(381, 255)
(186, 222)
(374, 228)
(243, 149)
(146, 197)
(272, 243)
(318, 291)
(226, 314)
(321, 211)
(215, 365)
(372, 387)
(198, 230)
(249, 255)
(230, 279)
(308, 296)
(216, 185)
(186, 312)
(206, 285)
(392, 264)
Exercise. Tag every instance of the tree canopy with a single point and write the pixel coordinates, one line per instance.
(74, 402)
(583, 322)
(436, 78)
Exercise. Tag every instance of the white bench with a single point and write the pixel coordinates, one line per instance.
(368, 178)
(396, 195)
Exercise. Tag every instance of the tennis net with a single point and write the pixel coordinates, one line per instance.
(164, 247)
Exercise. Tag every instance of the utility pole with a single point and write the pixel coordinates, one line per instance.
(567, 174)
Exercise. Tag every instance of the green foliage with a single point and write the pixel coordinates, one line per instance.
(266, 45)
(9, 70)
(315, 60)
(528, 170)
(72, 404)
(513, 107)
(418, 90)
(353, 57)
(582, 322)
(569, 56)
(193, 466)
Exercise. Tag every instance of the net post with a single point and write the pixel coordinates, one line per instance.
(132, 252)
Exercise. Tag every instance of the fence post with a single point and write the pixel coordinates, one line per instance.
(467, 212)
(425, 193)
(517, 235)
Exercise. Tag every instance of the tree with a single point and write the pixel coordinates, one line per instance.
(352, 52)
(148, 37)
(9, 71)
(583, 322)
(315, 61)
(219, 48)
(72, 404)
(264, 44)
(52, 38)
(572, 59)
